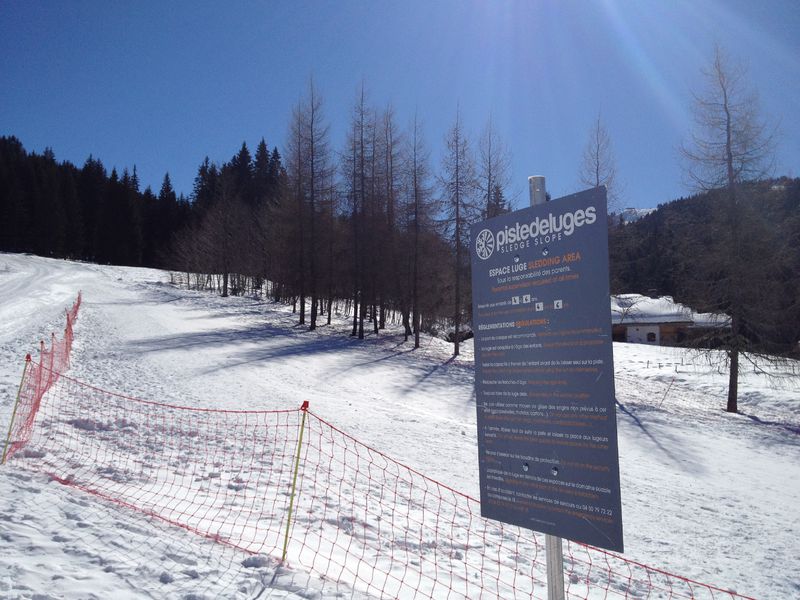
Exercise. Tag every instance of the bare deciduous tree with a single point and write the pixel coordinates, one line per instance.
(730, 146)
(459, 185)
(493, 172)
(390, 143)
(598, 166)
(309, 170)
(418, 206)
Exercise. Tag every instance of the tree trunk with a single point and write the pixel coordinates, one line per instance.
(415, 309)
(733, 382)
(362, 315)
(457, 315)
(330, 305)
(355, 314)
(313, 218)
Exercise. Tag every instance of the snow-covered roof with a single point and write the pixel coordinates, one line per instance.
(633, 309)
(711, 320)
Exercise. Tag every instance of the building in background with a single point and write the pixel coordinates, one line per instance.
(660, 321)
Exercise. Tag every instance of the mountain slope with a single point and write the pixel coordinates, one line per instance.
(707, 495)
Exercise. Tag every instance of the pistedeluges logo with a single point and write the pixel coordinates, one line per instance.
(536, 233)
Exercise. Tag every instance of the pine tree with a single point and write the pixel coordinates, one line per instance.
(13, 208)
(241, 168)
(75, 228)
(205, 186)
(49, 220)
(91, 192)
(262, 186)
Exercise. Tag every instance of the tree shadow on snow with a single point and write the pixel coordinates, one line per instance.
(205, 339)
(683, 461)
(790, 427)
(282, 343)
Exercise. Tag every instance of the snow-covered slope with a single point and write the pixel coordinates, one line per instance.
(707, 495)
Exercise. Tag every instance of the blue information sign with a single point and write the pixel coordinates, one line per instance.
(544, 370)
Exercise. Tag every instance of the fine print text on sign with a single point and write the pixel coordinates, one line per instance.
(544, 372)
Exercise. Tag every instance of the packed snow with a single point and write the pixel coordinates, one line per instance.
(707, 495)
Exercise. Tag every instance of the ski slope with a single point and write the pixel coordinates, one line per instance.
(706, 495)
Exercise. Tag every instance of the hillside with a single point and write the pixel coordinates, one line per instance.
(683, 249)
(706, 495)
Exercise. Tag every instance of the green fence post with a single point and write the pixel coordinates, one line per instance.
(304, 409)
(14, 412)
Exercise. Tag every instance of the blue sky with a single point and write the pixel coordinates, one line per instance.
(160, 85)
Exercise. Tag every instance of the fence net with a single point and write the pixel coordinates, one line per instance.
(329, 505)
(37, 379)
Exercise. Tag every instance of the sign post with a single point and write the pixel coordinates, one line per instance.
(553, 548)
(544, 373)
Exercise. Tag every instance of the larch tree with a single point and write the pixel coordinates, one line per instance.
(357, 168)
(417, 215)
(376, 227)
(459, 185)
(598, 165)
(349, 168)
(309, 170)
(730, 147)
(390, 144)
(494, 162)
(297, 185)
(315, 139)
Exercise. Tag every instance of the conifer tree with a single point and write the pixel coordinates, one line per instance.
(75, 231)
(262, 188)
(241, 168)
(205, 186)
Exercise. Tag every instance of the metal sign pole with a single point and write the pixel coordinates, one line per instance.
(555, 567)
(553, 549)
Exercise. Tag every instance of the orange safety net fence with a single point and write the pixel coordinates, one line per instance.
(290, 485)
